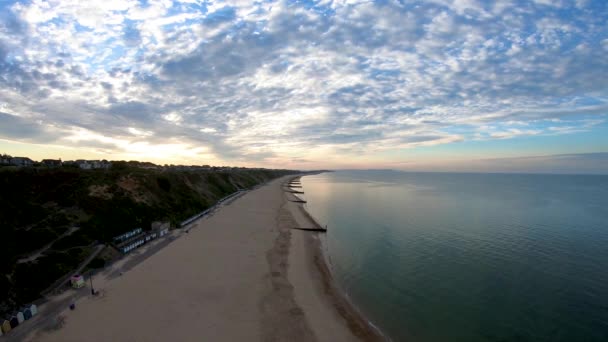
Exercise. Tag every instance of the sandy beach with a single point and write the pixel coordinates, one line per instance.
(241, 274)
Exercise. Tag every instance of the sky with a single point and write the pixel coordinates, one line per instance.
(441, 85)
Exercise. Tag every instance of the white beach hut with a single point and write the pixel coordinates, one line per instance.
(20, 317)
(34, 309)
(164, 231)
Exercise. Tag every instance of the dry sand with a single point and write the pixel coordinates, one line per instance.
(240, 275)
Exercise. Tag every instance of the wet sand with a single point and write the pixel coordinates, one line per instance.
(315, 289)
(242, 274)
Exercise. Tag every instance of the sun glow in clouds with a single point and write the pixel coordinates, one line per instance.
(132, 149)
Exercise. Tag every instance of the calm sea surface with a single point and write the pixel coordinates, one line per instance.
(469, 257)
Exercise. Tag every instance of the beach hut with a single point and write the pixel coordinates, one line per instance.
(29, 311)
(33, 309)
(20, 317)
(77, 281)
(162, 228)
(14, 321)
(6, 325)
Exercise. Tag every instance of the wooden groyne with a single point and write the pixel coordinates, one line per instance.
(311, 229)
(316, 227)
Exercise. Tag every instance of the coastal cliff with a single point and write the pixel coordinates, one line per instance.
(51, 219)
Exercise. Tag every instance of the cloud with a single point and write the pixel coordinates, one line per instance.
(21, 129)
(261, 82)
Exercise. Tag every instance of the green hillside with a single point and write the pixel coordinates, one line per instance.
(73, 209)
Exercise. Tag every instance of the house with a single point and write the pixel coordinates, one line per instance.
(69, 163)
(6, 325)
(77, 281)
(104, 164)
(5, 159)
(21, 161)
(83, 164)
(51, 162)
(93, 164)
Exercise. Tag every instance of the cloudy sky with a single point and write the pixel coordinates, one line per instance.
(439, 85)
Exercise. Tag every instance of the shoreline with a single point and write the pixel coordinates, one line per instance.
(242, 273)
(318, 260)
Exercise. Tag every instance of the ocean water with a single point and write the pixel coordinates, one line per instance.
(469, 257)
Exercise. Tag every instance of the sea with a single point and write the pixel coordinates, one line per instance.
(469, 256)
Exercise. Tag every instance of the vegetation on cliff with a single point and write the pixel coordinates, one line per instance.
(50, 218)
